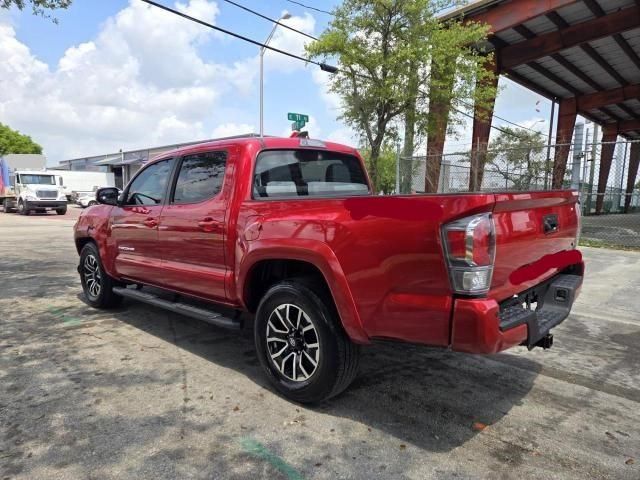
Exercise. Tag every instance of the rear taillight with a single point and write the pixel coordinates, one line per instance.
(470, 248)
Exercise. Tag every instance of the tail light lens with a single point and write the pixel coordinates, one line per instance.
(470, 247)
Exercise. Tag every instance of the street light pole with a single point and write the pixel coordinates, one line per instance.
(286, 16)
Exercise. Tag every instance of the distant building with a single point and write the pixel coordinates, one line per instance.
(124, 164)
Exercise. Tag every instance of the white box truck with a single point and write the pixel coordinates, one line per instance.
(75, 183)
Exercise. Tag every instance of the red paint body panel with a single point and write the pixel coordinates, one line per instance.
(381, 256)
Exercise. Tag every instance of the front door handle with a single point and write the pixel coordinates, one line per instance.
(208, 224)
(151, 222)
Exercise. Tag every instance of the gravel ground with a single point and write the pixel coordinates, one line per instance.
(142, 393)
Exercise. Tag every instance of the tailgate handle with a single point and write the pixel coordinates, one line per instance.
(550, 223)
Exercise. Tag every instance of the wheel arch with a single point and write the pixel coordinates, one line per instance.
(263, 268)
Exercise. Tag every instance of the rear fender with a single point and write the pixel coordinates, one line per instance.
(315, 253)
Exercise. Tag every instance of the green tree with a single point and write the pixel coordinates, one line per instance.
(518, 156)
(386, 165)
(38, 7)
(385, 50)
(12, 141)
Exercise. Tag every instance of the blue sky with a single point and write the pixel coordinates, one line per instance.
(116, 75)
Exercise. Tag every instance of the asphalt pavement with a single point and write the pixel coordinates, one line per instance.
(142, 393)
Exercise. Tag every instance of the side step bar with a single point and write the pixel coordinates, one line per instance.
(209, 316)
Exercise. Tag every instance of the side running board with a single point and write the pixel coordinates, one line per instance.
(209, 316)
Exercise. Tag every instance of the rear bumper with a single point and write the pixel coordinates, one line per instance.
(484, 326)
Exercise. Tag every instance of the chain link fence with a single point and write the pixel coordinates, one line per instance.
(531, 168)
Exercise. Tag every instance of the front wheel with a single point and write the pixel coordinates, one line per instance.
(96, 284)
(301, 345)
(61, 211)
(23, 208)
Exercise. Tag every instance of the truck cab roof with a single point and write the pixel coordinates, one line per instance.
(35, 172)
(261, 143)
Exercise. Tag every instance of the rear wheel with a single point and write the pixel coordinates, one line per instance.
(96, 284)
(61, 211)
(301, 345)
(6, 205)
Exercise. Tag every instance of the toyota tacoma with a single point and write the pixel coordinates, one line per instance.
(288, 235)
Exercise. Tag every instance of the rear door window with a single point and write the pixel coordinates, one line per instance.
(200, 178)
(308, 173)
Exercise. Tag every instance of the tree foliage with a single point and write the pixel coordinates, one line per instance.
(386, 165)
(38, 7)
(386, 50)
(518, 156)
(12, 141)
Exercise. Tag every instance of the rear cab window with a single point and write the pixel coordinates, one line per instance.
(308, 173)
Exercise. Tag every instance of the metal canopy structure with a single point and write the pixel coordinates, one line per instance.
(583, 54)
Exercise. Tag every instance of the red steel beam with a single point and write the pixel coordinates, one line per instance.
(609, 137)
(553, 42)
(608, 97)
(510, 14)
(634, 162)
(567, 114)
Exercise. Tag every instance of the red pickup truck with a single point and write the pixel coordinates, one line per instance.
(288, 233)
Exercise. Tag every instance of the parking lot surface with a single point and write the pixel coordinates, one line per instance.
(143, 393)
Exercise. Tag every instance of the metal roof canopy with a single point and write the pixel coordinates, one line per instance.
(587, 49)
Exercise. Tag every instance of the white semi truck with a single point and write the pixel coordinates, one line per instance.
(33, 190)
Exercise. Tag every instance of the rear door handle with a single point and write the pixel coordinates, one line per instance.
(151, 222)
(208, 224)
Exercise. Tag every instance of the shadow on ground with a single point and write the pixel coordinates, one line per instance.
(427, 397)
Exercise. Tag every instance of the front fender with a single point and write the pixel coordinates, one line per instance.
(95, 226)
(317, 254)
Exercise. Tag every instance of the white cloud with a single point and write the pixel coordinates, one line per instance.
(289, 41)
(331, 99)
(230, 129)
(345, 136)
(140, 81)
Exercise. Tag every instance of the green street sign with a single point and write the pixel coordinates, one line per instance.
(297, 117)
(297, 125)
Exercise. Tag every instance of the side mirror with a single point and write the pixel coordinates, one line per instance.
(107, 196)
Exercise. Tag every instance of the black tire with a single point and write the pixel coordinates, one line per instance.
(23, 208)
(6, 207)
(104, 297)
(337, 363)
(92, 203)
(61, 211)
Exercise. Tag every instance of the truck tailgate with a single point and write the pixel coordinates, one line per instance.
(535, 239)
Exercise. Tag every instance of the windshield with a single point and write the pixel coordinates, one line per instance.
(37, 179)
(308, 173)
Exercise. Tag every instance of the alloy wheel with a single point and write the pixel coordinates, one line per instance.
(293, 342)
(92, 276)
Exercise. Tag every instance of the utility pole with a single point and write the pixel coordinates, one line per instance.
(398, 169)
(263, 49)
